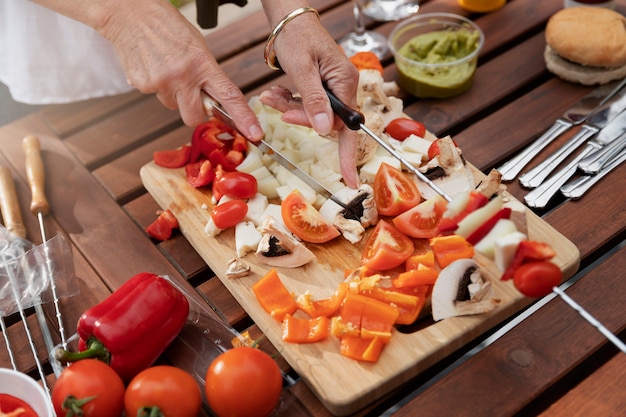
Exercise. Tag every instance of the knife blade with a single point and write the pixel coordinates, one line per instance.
(600, 119)
(612, 133)
(576, 115)
(211, 106)
(355, 120)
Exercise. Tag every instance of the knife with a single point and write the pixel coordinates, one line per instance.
(576, 115)
(595, 161)
(355, 120)
(578, 187)
(612, 133)
(601, 118)
(211, 106)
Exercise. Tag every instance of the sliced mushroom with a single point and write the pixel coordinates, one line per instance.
(461, 290)
(491, 184)
(361, 203)
(279, 247)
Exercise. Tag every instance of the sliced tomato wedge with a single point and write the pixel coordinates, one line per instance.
(386, 247)
(422, 221)
(304, 221)
(394, 191)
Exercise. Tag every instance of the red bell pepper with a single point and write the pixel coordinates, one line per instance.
(132, 327)
(163, 226)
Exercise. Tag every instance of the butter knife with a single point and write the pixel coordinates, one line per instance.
(612, 133)
(211, 106)
(600, 119)
(595, 161)
(578, 187)
(576, 115)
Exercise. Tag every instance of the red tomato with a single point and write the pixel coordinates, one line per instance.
(172, 158)
(170, 390)
(199, 173)
(228, 214)
(422, 221)
(433, 149)
(92, 382)
(386, 247)
(13, 406)
(235, 184)
(528, 251)
(402, 127)
(536, 279)
(394, 191)
(304, 221)
(243, 382)
(163, 226)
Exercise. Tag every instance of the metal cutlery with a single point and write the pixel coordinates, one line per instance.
(578, 187)
(576, 115)
(600, 119)
(541, 196)
(593, 163)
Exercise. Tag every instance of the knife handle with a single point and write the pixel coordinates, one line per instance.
(351, 117)
(35, 175)
(9, 205)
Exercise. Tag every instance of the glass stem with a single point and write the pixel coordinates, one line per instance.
(359, 19)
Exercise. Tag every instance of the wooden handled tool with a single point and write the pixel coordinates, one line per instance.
(9, 206)
(35, 173)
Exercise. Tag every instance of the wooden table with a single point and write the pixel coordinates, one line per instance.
(547, 360)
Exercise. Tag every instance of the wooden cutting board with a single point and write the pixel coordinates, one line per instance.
(343, 385)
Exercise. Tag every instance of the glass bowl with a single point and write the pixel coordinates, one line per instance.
(436, 54)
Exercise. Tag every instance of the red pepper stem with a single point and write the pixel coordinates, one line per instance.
(150, 412)
(95, 350)
(74, 406)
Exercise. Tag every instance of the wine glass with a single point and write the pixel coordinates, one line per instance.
(390, 10)
(361, 39)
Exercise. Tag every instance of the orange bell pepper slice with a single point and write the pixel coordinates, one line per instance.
(426, 259)
(448, 249)
(274, 296)
(422, 275)
(326, 307)
(409, 305)
(367, 350)
(364, 312)
(296, 330)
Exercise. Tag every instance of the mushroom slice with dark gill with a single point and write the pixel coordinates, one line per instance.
(279, 247)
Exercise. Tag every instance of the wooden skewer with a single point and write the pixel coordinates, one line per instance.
(9, 206)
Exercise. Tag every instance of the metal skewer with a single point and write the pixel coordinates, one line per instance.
(39, 207)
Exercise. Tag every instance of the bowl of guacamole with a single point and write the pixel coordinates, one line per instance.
(436, 54)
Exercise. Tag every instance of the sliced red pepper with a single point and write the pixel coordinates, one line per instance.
(228, 161)
(173, 158)
(200, 173)
(448, 249)
(11, 406)
(163, 226)
(240, 143)
(296, 330)
(448, 225)
(273, 296)
(133, 326)
(528, 251)
(204, 139)
(482, 231)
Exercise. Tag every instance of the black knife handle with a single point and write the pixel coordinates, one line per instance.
(351, 117)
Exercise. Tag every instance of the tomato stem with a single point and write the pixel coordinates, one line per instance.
(74, 406)
(95, 350)
(153, 411)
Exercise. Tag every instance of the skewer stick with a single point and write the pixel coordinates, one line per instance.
(9, 205)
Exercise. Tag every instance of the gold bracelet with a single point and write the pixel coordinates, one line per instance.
(270, 54)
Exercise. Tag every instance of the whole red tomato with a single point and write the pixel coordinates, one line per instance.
(402, 127)
(173, 391)
(243, 382)
(91, 387)
(536, 279)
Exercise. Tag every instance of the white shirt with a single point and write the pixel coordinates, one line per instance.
(48, 58)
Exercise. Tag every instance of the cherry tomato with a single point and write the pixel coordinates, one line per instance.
(386, 247)
(13, 406)
(433, 149)
(394, 191)
(536, 279)
(173, 158)
(228, 214)
(243, 382)
(235, 184)
(422, 221)
(304, 221)
(171, 390)
(403, 127)
(92, 382)
(163, 226)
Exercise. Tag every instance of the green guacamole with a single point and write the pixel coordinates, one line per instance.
(438, 48)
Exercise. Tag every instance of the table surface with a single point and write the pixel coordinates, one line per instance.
(547, 360)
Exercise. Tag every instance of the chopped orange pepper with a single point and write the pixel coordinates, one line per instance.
(325, 307)
(297, 330)
(448, 249)
(367, 350)
(274, 296)
(426, 259)
(368, 313)
(409, 305)
(366, 60)
(422, 275)
(339, 328)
